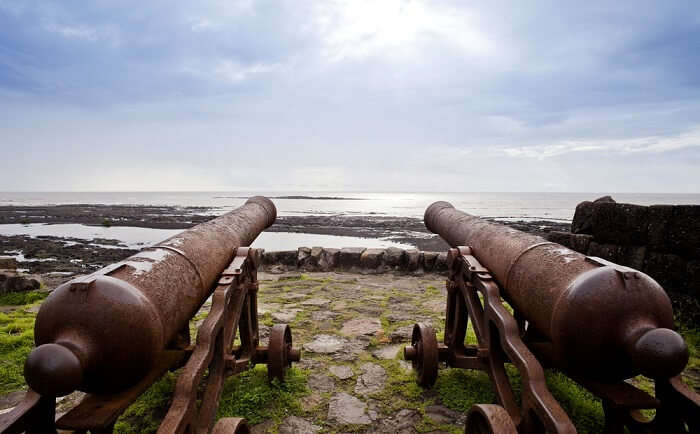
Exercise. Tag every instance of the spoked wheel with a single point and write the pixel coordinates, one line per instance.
(231, 425)
(489, 419)
(423, 354)
(280, 354)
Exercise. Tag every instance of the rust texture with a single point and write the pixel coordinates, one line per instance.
(115, 332)
(597, 321)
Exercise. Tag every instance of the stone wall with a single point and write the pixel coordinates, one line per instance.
(661, 240)
(355, 259)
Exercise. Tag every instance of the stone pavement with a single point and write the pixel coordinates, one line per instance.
(352, 329)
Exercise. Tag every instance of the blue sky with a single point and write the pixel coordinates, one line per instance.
(350, 95)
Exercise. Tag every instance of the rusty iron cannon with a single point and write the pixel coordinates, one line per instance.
(598, 322)
(113, 333)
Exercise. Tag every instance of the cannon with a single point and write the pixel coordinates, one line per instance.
(114, 332)
(598, 322)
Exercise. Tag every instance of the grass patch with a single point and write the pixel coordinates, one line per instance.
(147, 413)
(19, 298)
(252, 396)
(16, 341)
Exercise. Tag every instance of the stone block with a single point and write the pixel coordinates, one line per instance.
(611, 252)
(329, 259)
(304, 258)
(286, 257)
(683, 234)
(563, 238)
(372, 259)
(412, 259)
(395, 257)
(581, 242)
(620, 223)
(667, 269)
(350, 257)
(429, 259)
(660, 217)
(441, 262)
(692, 283)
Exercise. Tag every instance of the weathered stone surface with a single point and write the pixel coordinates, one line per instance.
(395, 258)
(10, 282)
(329, 259)
(429, 259)
(398, 317)
(402, 422)
(325, 344)
(350, 257)
(316, 302)
(8, 264)
(620, 223)
(297, 425)
(443, 415)
(285, 316)
(441, 262)
(343, 372)
(321, 383)
(693, 273)
(563, 238)
(361, 326)
(387, 353)
(583, 216)
(323, 315)
(286, 257)
(346, 409)
(660, 218)
(372, 258)
(683, 235)
(669, 270)
(402, 334)
(263, 427)
(303, 257)
(316, 253)
(372, 379)
(412, 259)
(580, 242)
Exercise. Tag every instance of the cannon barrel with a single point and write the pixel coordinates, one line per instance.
(600, 321)
(103, 333)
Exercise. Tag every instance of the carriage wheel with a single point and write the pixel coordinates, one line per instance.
(280, 354)
(489, 419)
(423, 353)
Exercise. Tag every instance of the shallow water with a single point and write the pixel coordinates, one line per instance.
(135, 237)
(547, 206)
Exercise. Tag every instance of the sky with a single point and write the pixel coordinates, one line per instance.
(378, 95)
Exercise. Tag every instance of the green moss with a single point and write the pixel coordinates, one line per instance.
(459, 389)
(16, 341)
(147, 413)
(584, 409)
(252, 396)
(18, 298)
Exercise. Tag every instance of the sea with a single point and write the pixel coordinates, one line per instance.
(502, 206)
